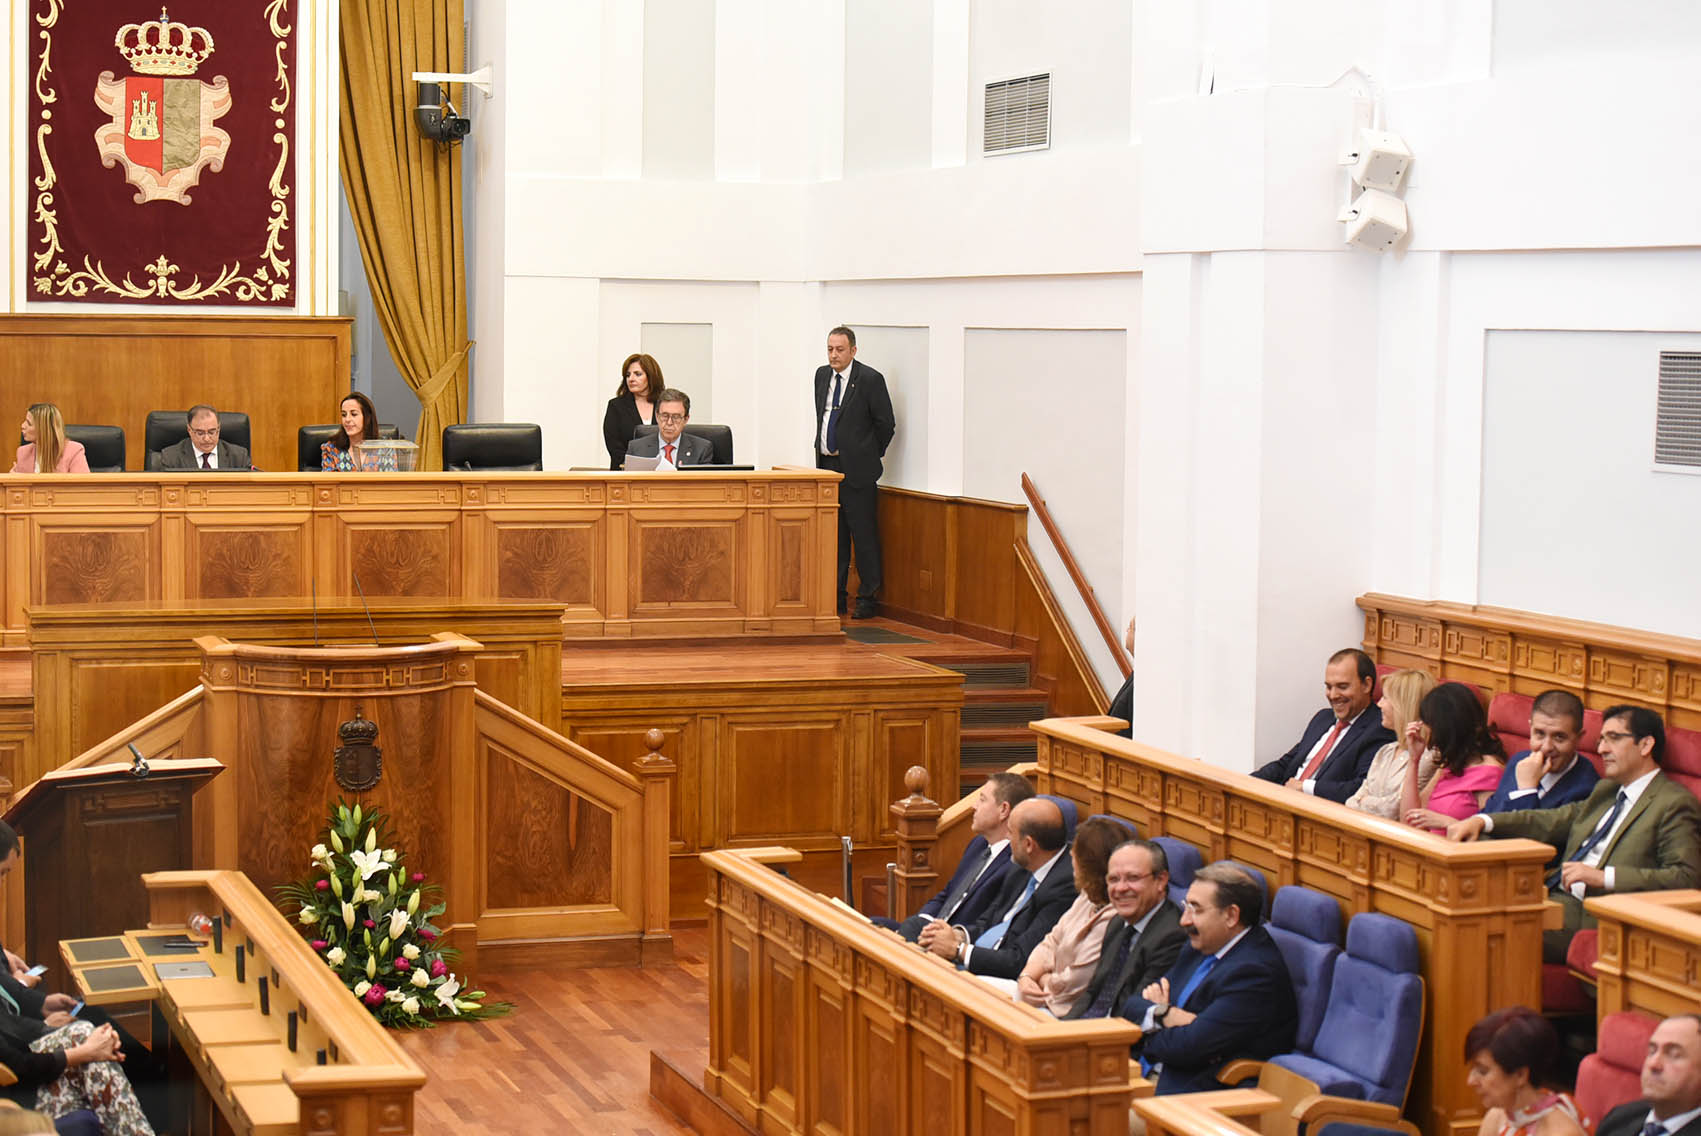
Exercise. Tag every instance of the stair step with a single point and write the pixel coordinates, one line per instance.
(994, 715)
(1005, 672)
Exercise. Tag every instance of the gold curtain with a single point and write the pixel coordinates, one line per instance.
(405, 194)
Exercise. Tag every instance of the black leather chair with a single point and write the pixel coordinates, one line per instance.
(169, 427)
(493, 446)
(719, 436)
(308, 439)
(102, 445)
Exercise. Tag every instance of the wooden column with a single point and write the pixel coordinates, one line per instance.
(916, 821)
(656, 772)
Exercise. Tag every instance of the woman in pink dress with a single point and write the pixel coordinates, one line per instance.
(1463, 763)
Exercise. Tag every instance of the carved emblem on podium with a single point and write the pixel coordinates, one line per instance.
(359, 763)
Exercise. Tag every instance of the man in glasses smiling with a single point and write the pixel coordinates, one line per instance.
(1637, 831)
(670, 442)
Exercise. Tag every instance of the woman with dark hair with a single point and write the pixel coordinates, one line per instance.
(1510, 1057)
(1060, 967)
(359, 424)
(46, 449)
(633, 405)
(1462, 765)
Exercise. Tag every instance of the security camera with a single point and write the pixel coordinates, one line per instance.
(437, 117)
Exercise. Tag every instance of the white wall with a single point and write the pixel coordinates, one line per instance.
(903, 354)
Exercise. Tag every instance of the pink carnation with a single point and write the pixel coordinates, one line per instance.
(320, 944)
(402, 964)
(427, 933)
(418, 877)
(374, 996)
(323, 885)
(370, 924)
(439, 968)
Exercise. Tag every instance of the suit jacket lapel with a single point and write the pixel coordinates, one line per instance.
(1643, 802)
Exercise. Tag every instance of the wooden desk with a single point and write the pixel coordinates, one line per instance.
(1477, 908)
(344, 1074)
(820, 1022)
(627, 555)
(1650, 952)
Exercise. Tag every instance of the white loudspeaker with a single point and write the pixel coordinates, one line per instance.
(1381, 161)
(1375, 220)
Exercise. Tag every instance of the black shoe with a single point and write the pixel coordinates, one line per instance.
(843, 606)
(864, 609)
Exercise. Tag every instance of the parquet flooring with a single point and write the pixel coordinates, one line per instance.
(575, 1055)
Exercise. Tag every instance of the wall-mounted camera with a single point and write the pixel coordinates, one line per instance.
(437, 117)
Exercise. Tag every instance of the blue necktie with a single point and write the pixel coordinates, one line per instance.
(833, 417)
(1193, 982)
(1596, 836)
(995, 933)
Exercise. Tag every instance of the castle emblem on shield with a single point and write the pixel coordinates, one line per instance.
(162, 117)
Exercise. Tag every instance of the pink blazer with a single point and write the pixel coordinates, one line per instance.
(71, 459)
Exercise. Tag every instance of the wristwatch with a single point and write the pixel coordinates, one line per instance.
(1159, 1014)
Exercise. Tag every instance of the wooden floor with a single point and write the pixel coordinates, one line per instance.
(575, 1055)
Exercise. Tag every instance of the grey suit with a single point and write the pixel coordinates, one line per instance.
(183, 456)
(1148, 960)
(691, 450)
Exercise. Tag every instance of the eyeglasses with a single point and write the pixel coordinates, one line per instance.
(212, 433)
(1110, 880)
(1614, 736)
(671, 417)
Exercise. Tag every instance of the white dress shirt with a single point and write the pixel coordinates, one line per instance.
(827, 405)
(1021, 901)
(1310, 785)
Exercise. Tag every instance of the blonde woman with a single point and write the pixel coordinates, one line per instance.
(1402, 691)
(45, 448)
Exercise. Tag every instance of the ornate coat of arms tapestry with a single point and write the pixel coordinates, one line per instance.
(162, 163)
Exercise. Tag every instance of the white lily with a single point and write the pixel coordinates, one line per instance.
(320, 852)
(366, 863)
(446, 994)
(389, 855)
(308, 915)
(398, 923)
(348, 915)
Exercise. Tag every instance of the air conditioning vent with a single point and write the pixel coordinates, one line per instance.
(1677, 415)
(1018, 115)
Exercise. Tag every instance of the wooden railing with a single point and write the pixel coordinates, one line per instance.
(1477, 908)
(820, 1022)
(1650, 952)
(1089, 595)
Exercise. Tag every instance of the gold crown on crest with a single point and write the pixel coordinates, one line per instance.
(163, 48)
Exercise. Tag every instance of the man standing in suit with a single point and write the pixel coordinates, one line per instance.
(986, 860)
(1550, 773)
(203, 449)
(1638, 830)
(1228, 997)
(1144, 937)
(1671, 1085)
(853, 427)
(670, 442)
(1334, 753)
(1031, 901)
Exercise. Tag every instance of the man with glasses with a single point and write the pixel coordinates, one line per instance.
(670, 442)
(1637, 831)
(1143, 939)
(203, 449)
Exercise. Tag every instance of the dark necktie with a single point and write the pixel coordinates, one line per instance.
(206, 463)
(1653, 1128)
(1596, 836)
(954, 898)
(833, 418)
(1112, 977)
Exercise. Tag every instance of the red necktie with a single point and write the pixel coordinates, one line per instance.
(1328, 744)
(670, 460)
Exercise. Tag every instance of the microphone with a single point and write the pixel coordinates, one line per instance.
(139, 767)
(362, 592)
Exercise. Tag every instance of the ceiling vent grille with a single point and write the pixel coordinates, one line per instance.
(1018, 115)
(1677, 416)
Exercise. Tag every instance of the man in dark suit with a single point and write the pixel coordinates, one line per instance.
(670, 442)
(1227, 997)
(853, 427)
(1036, 893)
(1144, 937)
(203, 448)
(1551, 772)
(1671, 1085)
(1334, 753)
(980, 873)
(1638, 830)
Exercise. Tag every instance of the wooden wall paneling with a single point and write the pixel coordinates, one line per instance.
(283, 371)
(915, 540)
(986, 591)
(1480, 902)
(905, 738)
(829, 1036)
(784, 981)
(783, 780)
(620, 739)
(1650, 952)
(734, 996)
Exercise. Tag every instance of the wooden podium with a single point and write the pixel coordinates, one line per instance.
(89, 834)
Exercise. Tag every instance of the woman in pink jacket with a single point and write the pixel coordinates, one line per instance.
(45, 448)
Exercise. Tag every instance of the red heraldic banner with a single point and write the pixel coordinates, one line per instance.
(155, 177)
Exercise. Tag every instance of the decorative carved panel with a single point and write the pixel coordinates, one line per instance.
(240, 563)
(685, 565)
(548, 846)
(401, 561)
(1550, 661)
(1475, 645)
(546, 563)
(109, 566)
(790, 539)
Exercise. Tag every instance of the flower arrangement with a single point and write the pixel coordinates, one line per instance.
(369, 918)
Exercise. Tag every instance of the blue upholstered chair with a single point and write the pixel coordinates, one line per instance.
(1306, 925)
(1263, 885)
(1184, 860)
(1071, 814)
(1367, 1042)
